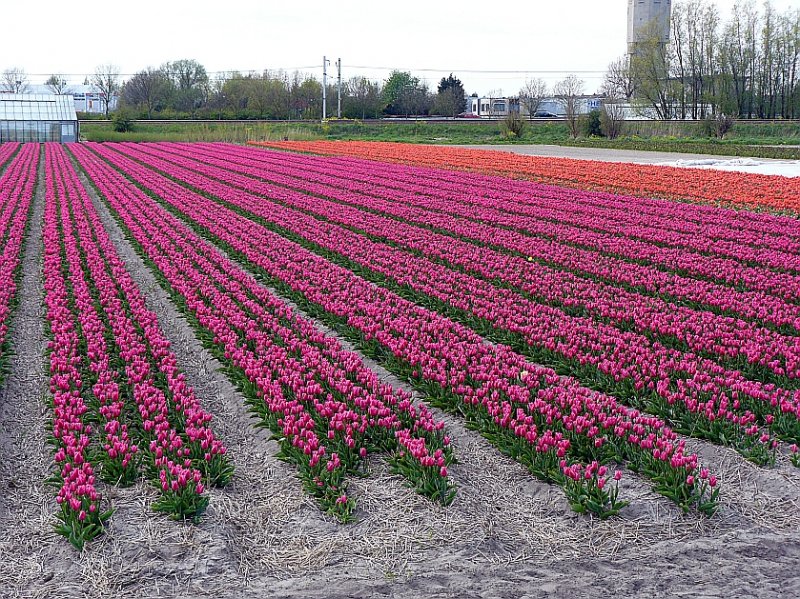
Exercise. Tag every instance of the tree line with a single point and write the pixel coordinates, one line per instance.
(183, 88)
(745, 66)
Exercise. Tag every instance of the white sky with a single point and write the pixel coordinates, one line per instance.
(548, 38)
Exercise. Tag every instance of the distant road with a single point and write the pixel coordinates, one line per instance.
(604, 154)
(766, 166)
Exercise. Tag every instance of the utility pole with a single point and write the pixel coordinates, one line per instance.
(325, 63)
(339, 88)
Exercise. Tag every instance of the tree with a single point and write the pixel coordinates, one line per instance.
(568, 93)
(415, 100)
(533, 92)
(619, 83)
(14, 80)
(740, 47)
(57, 84)
(695, 46)
(404, 94)
(106, 79)
(148, 89)
(190, 82)
(650, 67)
(612, 117)
(305, 94)
(362, 98)
(513, 125)
(450, 96)
(276, 94)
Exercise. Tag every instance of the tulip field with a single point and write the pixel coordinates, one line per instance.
(378, 309)
(717, 187)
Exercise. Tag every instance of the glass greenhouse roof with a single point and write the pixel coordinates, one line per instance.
(37, 107)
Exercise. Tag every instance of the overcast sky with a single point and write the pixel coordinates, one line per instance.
(548, 38)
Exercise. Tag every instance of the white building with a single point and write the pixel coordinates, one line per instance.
(491, 107)
(87, 98)
(549, 107)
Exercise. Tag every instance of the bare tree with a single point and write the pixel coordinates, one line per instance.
(148, 89)
(362, 98)
(568, 93)
(740, 48)
(695, 47)
(533, 92)
(56, 84)
(14, 80)
(680, 17)
(106, 79)
(619, 82)
(612, 116)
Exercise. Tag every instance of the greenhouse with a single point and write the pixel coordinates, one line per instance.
(38, 118)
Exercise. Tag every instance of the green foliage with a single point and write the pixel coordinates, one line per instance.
(182, 504)
(404, 94)
(450, 97)
(78, 531)
(718, 125)
(122, 121)
(513, 125)
(450, 82)
(591, 125)
(397, 81)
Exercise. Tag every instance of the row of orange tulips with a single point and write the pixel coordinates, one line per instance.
(718, 187)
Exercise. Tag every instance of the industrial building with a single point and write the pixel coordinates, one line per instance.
(644, 14)
(38, 118)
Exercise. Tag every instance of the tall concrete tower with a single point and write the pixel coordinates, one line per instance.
(643, 13)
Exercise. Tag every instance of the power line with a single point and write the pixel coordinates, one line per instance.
(220, 74)
(480, 71)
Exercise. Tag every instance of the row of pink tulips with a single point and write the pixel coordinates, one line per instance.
(700, 331)
(557, 205)
(697, 393)
(330, 409)
(7, 151)
(17, 185)
(540, 413)
(673, 287)
(81, 517)
(91, 295)
(718, 268)
(703, 222)
(757, 229)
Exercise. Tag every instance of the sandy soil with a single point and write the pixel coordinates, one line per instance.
(505, 535)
